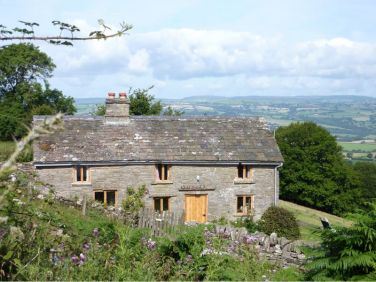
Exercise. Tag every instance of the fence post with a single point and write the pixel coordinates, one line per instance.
(84, 204)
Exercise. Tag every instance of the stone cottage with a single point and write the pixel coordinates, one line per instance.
(208, 167)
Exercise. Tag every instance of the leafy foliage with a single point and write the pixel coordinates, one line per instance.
(100, 110)
(44, 240)
(24, 90)
(172, 112)
(367, 174)
(67, 33)
(133, 202)
(143, 103)
(281, 221)
(314, 173)
(348, 253)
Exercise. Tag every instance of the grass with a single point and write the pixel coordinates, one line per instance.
(348, 147)
(309, 220)
(7, 148)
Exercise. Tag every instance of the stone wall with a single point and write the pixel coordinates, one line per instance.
(218, 182)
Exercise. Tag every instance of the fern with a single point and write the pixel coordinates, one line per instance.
(348, 253)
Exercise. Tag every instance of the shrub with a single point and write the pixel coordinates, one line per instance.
(246, 222)
(349, 253)
(281, 221)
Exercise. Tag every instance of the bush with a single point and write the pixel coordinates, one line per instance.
(281, 221)
(349, 253)
(246, 222)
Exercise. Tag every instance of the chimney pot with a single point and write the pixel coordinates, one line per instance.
(111, 95)
(122, 95)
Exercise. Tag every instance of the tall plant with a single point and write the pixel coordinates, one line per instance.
(348, 253)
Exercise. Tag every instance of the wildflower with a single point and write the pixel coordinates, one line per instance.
(75, 260)
(250, 239)
(188, 259)
(206, 252)
(96, 232)
(82, 257)
(151, 245)
(86, 246)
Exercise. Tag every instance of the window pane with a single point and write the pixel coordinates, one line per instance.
(248, 203)
(78, 173)
(240, 171)
(165, 204)
(248, 171)
(99, 196)
(239, 206)
(165, 172)
(159, 168)
(110, 198)
(84, 173)
(157, 204)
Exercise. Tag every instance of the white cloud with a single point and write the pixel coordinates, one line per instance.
(260, 63)
(139, 62)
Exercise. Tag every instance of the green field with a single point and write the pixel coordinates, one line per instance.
(366, 147)
(309, 220)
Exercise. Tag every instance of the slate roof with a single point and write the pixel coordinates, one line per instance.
(158, 139)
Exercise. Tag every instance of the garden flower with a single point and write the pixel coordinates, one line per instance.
(250, 239)
(151, 245)
(86, 246)
(75, 260)
(188, 259)
(82, 257)
(96, 232)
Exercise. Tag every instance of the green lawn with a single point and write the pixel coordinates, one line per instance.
(309, 220)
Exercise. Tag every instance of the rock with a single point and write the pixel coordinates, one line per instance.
(277, 249)
(283, 241)
(301, 257)
(40, 197)
(266, 243)
(273, 239)
(16, 233)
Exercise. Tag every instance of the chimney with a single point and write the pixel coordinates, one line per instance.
(117, 109)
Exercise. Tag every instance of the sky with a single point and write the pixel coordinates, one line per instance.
(211, 47)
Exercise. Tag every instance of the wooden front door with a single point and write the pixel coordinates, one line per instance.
(196, 208)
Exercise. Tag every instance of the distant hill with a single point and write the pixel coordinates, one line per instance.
(347, 117)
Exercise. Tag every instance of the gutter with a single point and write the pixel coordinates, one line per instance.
(134, 162)
(276, 196)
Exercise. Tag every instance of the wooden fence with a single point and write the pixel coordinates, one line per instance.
(161, 224)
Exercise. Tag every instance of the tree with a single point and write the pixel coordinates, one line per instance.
(172, 112)
(143, 103)
(67, 33)
(367, 174)
(24, 90)
(314, 173)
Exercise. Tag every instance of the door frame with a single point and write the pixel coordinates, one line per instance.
(206, 205)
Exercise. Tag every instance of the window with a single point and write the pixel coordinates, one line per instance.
(245, 171)
(82, 174)
(107, 198)
(244, 205)
(161, 204)
(163, 172)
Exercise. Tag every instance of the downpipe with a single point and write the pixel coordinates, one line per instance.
(275, 183)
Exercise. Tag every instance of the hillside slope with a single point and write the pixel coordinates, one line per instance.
(309, 219)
